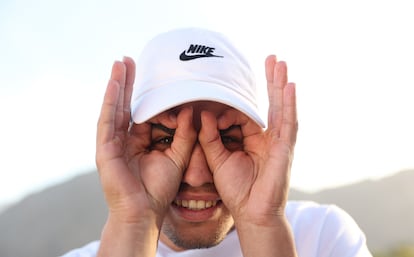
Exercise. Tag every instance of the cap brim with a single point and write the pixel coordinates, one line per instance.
(163, 98)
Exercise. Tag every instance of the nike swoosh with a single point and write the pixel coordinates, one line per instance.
(185, 57)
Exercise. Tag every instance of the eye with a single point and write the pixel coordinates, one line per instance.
(232, 143)
(161, 143)
(227, 139)
(165, 140)
(162, 137)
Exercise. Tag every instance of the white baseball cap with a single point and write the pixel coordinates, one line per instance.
(192, 64)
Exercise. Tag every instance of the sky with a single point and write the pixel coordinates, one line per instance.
(352, 62)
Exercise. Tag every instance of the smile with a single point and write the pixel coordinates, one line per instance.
(195, 204)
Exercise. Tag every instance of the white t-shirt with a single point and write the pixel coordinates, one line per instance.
(319, 231)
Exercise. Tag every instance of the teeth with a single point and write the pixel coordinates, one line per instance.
(195, 204)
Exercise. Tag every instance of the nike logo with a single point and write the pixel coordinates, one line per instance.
(198, 51)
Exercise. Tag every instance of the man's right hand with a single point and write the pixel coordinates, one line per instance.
(139, 184)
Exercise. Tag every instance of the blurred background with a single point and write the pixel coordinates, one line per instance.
(352, 62)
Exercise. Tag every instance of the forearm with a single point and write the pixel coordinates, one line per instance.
(267, 240)
(125, 239)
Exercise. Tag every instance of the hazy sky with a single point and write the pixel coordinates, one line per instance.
(352, 62)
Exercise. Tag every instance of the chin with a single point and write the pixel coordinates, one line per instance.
(195, 235)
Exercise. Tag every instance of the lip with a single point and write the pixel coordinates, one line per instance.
(190, 215)
(196, 215)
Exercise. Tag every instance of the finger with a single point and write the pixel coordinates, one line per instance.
(269, 68)
(167, 118)
(210, 140)
(107, 117)
(119, 74)
(290, 121)
(276, 81)
(129, 82)
(270, 65)
(184, 139)
(234, 117)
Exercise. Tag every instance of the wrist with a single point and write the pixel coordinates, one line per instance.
(271, 238)
(252, 225)
(120, 238)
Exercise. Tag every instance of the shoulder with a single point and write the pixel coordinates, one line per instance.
(89, 250)
(307, 211)
(325, 230)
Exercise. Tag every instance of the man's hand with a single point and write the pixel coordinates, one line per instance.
(254, 183)
(137, 188)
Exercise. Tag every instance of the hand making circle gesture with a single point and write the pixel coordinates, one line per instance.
(133, 178)
(254, 183)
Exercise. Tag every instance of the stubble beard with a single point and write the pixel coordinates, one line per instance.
(197, 236)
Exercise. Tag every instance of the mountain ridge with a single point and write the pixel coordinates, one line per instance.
(71, 214)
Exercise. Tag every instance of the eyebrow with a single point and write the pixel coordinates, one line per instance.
(169, 131)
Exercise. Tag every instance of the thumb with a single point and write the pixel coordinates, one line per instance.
(184, 139)
(210, 140)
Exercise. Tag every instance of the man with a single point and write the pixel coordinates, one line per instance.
(195, 173)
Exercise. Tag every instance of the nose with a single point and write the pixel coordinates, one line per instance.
(197, 173)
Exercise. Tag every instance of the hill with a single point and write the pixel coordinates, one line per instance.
(72, 214)
(384, 208)
(50, 222)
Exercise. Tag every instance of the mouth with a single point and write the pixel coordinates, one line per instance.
(195, 205)
(196, 210)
